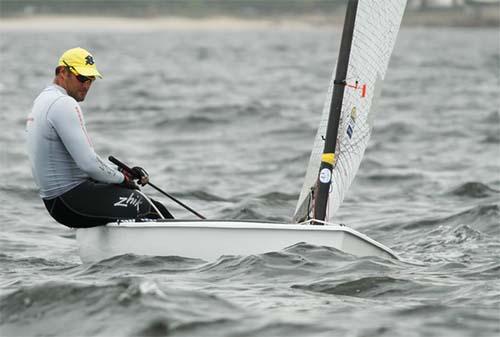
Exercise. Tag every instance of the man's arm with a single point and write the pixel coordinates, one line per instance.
(66, 117)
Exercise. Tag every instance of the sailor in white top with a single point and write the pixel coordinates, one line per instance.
(78, 188)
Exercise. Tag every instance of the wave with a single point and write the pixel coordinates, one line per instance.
(121, 111)
(106, 308)
(28, 262)
(163, 327)
(485, 213)
(458, 235)
(395, 130)
(26, 193)
(492, 138)
(422, 309)
(493, 118)
(187, 122)
(292, 327)
(366, 287)
(294, 255)
(26, 305)
(370, 164)
(216, 109)
(201, 195)
(319, 254)
(489, 271)
(300, 261)
(244, 212)
(449, 243)
(278, 196)
(217, 113)
(127, 264)
(391, 177)
(474, 190)
(154, 327)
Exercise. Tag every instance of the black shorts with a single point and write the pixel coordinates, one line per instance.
(93, 204)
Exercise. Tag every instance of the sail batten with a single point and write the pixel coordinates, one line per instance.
(373, 38)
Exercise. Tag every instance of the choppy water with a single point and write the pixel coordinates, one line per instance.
(225, 121)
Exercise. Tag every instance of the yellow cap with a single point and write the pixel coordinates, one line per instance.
(81, 61)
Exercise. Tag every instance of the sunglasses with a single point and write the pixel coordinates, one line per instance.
(80, 78)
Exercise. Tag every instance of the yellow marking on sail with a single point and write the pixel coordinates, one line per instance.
(328, 158)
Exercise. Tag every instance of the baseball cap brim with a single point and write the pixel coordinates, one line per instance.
(87, 71)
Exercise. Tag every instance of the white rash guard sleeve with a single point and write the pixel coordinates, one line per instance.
(60, 152)
(66, 117)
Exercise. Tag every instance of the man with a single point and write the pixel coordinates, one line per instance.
(78, 188)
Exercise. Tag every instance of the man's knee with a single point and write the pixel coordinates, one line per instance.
(163, 210)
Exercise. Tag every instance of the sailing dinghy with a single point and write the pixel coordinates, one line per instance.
(368, 38)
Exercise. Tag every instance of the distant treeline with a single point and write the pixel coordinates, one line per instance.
(418, 12)
(148, 8)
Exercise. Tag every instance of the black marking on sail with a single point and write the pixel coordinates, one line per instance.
(322, 188)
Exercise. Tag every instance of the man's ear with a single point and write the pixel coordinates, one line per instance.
(59, 69)
(65, 71)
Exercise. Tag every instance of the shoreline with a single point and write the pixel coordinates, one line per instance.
(115, 23)
(225, 22)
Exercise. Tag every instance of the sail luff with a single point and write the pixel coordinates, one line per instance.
(321, 191)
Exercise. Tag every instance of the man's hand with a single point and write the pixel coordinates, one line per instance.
(128, 182)
(141, 175)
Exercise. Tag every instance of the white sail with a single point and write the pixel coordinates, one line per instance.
(376, 26)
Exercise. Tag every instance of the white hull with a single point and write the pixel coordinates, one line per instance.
(208, 240)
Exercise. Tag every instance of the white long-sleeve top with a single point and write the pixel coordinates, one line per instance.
(59, 148)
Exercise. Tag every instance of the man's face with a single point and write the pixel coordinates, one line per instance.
(74, 85)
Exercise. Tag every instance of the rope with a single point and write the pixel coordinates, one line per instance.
(151, 203)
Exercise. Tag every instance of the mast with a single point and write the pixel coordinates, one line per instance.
(328, 159)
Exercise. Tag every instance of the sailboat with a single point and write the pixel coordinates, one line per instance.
(368, 37)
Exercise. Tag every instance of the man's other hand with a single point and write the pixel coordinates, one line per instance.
(141, 175)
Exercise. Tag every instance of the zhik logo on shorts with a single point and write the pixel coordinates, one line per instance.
(132, 200)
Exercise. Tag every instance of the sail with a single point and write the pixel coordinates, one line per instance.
(376, 26)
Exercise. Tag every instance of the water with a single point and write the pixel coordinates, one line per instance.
(225, 120)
